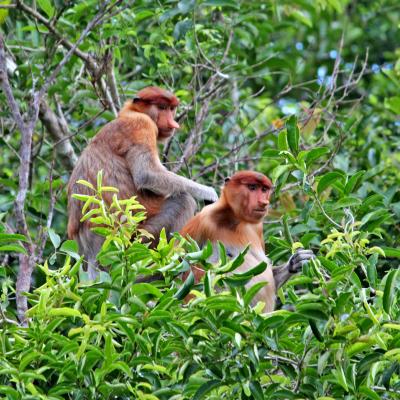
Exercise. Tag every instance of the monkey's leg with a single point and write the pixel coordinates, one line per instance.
(175, 212)
(89, 245)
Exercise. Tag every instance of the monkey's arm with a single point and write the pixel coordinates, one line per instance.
(296, 261)
(148, 173)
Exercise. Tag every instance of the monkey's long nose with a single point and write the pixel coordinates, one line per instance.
(173, 124)
(263, 203)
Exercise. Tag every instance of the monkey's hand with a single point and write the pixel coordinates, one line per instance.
(209, 195)
(298, 259)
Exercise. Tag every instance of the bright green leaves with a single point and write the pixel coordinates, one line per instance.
(9, 243)
(293, 134)
(391, 290)
(55, 239)
(327, 180)
(4, 11)
(47, 7)
(393, 104)
(298, 163)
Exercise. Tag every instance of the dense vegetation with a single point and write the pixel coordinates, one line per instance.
(304, 91)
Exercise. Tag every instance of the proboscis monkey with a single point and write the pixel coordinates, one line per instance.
(126, 150)
(236, 220)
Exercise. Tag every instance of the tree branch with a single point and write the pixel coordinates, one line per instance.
(55, 127)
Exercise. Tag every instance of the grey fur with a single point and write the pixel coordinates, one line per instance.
(148, 173)
(296, 261)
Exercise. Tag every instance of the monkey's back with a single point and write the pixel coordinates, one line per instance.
(106, 152)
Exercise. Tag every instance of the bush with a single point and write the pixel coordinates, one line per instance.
(337, 335)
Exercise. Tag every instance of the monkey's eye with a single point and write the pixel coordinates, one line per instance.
(162, 106)
(252, 187)
(265, 189)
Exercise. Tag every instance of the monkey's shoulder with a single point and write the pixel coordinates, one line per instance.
(130, 128)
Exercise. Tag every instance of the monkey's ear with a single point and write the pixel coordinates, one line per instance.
(226, 180)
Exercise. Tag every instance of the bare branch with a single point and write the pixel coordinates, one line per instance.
(56, 129)
(90, 62)
(7, 6)
(93, 23)
(27, 261)
(26, 143)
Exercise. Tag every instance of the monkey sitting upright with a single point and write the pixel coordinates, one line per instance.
(236, 220)
(126, 150)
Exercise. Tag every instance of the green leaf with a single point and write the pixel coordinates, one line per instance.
(315, 330)
(314, 154)
(82, 181)
(250, 293)
(278, 171)
(293, 134)
(391, 251)
(186, 287)
(257, 270)
(47, 7)
(339, 373)
(302, 17)
(181, 28)
(186, 6)
(235, 263)
(55, 239)
(352, 182)
(13, 248)
(140, 289)
(347, 202)
(10, 392)
(27, 359)
(312, 311)
(206, 388)
(81, 197)
(4, 12)
(221, 302)
(120, 365)
(369, 393)
(283, 141)
(11, 237)
(64, 312)
(71, 248)
(393, 104)
(256, 390)
(390, 289)
(327, 180)
(272, 153)
(357, 348)
(109, 189)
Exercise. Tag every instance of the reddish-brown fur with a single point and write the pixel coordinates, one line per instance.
(106, 152)
(126, 150)
(228, 218)
(236, 220)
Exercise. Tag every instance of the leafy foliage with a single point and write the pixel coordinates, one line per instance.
(119, 338)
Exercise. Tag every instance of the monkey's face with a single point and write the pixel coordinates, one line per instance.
(257, 201)
(250, 201)
(164, 117)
